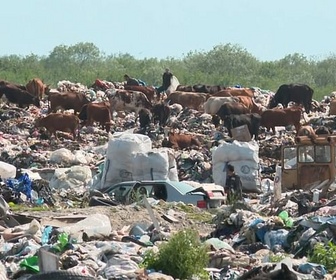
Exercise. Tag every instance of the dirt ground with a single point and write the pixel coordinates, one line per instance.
(180, 216)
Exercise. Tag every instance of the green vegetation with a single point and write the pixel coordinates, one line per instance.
(325, 255)
(223, 65)
(183, 256)
(275, 258)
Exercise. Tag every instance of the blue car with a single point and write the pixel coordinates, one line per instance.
(201, 195)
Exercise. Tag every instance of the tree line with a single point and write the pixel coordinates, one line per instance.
(225, 65)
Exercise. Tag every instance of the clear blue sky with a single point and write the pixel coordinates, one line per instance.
(267, 29)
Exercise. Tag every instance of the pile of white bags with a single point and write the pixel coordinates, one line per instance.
(244, 157)
(130, 157)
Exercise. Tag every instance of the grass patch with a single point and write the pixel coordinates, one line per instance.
(23, 208)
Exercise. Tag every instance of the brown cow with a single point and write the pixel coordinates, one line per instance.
(59, 122)
(148, 91)
(192, 100)
(232, 108)
(124, 100)
(67, 101)
(96, 112)
(281, 117)
(251, 104)
(181, 141)
(235, 92)
(37, 88)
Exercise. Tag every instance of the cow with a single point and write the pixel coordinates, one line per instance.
(251, 104)
(5, 83)
(181, 141)
(37, 88)
(235, 92)
(185, 88)
(59, 122)
(161, 113)
(271, 118)
(208, 89)
(18, 96)
(232, 109)
(144, 118)
(66, 101)
(213, 104)
(298, 93)
(148, 91)
(307, 130)
(124, 100)
(189, 100)
(96, 112)
(251, 120)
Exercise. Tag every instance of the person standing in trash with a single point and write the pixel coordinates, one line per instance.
(166, 81)
(131, 81)
(233, 185)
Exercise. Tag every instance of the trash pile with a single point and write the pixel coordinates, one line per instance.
(47, 222)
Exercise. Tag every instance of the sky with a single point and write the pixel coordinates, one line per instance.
(267, 29)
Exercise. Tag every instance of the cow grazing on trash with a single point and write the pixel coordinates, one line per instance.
(232, 109)
(213, 104)
(251, 120)
(145, 117)
(59, 122)
(181, 141)
(67, 101)
(18, 96)
(148, 91)
(298, 93)
(161, 113)
(124, 100)
(192, 100)
(96, 112)
(271, 118)
(37, 88)
(235, 92)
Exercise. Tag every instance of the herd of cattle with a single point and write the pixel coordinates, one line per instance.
(233, 107)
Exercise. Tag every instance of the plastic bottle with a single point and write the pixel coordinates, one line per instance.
(316, 196)
(45, 235)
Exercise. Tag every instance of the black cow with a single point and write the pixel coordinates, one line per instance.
(298, 93)
(161, 113)
(184, 88)
(232, 108)
(5, 83)
(18, 96)
(251, 120)
(144, 117)
(208, 89)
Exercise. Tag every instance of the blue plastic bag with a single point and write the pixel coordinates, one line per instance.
(21, 185)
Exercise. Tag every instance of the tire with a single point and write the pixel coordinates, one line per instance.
(60, 274)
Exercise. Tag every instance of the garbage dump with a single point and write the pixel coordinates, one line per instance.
(50, 227)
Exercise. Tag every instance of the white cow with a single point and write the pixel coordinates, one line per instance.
(212, 105)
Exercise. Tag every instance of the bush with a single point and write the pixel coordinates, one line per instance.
(325, 255)
(183, 256)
